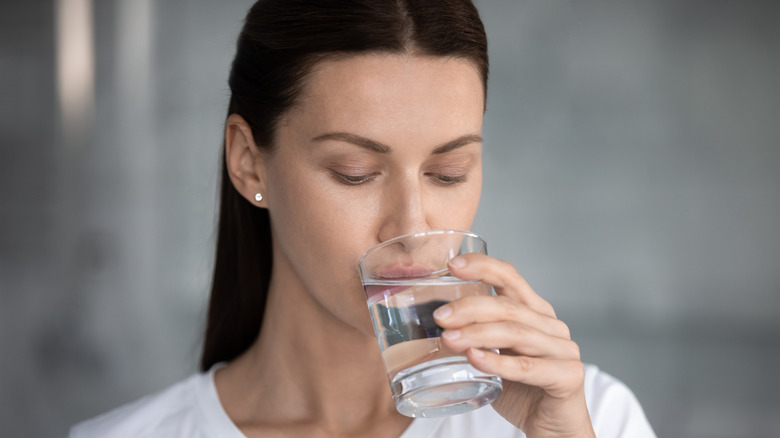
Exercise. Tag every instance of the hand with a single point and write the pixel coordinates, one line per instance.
(540, 365)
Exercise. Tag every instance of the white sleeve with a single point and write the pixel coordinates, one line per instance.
(614, 410)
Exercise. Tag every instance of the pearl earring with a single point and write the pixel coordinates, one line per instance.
(258, 197)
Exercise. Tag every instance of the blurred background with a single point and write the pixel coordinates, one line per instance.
(631, 175)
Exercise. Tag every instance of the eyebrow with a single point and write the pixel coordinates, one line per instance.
(383, 149)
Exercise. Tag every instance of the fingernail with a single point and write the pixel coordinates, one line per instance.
(477, 352)
(451, 334)
(458, 262)
(442, 312)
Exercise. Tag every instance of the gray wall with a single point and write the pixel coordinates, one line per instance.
(630, 175)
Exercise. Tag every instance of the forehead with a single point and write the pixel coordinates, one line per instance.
(418, 72)
(364, 88)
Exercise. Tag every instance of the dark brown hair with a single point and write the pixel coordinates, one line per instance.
(279, 44)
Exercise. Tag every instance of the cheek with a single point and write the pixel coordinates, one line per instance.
(467, 211)
(293, 207)
(475, 193)
(458, 208)
(318, 229)
(322, 242)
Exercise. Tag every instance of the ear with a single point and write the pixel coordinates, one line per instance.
(244, 160)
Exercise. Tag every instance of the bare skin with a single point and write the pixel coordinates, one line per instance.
(308, 384)
(378, 146)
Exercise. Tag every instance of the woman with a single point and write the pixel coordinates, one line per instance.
(352, 122)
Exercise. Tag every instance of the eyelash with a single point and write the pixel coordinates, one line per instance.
(440, 179)
(353, 180)
(447, 180)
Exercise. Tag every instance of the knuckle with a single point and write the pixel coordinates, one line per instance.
(574, 350)
(504, 264)
(524, 364)
(513, 274)
(562, 329)
(546, 307)
(506, 269)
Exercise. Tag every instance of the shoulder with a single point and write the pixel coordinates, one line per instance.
(172, 412)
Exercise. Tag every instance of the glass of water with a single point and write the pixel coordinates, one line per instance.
(406, 279)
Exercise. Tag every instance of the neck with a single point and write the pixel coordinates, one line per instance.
(307, 367)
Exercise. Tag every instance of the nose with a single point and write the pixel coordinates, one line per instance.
(403, 210)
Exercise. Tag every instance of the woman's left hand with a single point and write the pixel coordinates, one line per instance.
(540, 365)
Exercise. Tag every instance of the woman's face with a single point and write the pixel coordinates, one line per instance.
(379, 146)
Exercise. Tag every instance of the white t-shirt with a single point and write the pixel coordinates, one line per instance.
(191, 409)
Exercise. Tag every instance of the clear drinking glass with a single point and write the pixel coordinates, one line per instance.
(405, 280)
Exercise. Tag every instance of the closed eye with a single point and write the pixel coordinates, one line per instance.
(353, 180)
(447, 180)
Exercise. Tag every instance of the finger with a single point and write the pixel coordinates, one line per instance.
(510, 337)
(502, 276)
(558, 377)
(480, 309)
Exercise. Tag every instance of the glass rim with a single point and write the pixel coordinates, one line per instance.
(436, 232)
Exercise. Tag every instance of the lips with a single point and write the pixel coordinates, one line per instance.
(400, 273)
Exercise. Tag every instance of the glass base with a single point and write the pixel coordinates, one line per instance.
(442, 387)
